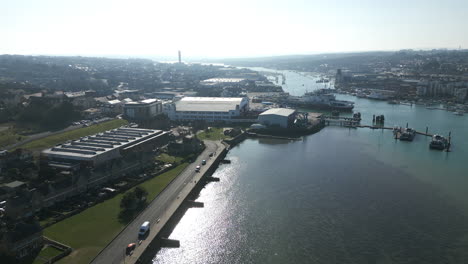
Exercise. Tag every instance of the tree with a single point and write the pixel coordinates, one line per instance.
(140, 193)
(128, 201)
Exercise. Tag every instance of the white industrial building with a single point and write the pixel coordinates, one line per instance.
(210, 109)
(282, 117)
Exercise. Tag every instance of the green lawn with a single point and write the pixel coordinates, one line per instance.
(9, 136)
(49, 252)
(50, 141)
(166, 158)
(90, 231)
(215, 133)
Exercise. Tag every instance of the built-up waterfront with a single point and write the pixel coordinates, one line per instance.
(339, 196)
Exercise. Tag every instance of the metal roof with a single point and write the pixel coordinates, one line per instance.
(208, 104)
(91, 146)
(279, 111)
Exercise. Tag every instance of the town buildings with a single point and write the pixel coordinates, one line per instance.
(142, 110)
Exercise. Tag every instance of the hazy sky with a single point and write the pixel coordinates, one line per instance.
(218, 28)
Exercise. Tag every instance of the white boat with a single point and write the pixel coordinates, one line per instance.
(378, 95)
(458, 113)
(321, 99)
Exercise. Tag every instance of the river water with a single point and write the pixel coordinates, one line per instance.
(339, 196)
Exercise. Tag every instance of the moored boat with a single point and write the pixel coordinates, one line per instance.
(408, 134)
(438, 142)
(321, 99)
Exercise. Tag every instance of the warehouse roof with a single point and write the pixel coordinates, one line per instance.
(142, 102)
(279, 111)
(91, 146)
(223, 80)
(211, 104)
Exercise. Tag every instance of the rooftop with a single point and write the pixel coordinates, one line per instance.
(223, 80)
(14, 184)
(87, 148)
(279, 111)
(211, 104)
(142, 102)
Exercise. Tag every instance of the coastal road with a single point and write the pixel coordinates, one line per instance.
(162, 208)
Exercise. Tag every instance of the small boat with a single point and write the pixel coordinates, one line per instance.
(393, 102)
(438, 142)
(458, 113)
(408, 134)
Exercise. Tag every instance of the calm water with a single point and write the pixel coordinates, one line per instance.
(339, 196)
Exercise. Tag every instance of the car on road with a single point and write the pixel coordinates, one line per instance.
(130, 248)
(197, 169)
(144, 229)
(203, 162)
(211, 154)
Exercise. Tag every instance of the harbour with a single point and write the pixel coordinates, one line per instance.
(323, 203)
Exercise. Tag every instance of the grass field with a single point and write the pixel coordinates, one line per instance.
(90, 231)
(46, 254)
(215, 133)
(9, 136)
(50, 141)
(168, 158)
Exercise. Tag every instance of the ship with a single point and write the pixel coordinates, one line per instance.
(379, 95)
(320, 99)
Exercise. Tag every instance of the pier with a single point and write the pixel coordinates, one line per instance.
(355, 123)
(341, 121)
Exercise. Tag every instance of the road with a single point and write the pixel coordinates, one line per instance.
(162, 208)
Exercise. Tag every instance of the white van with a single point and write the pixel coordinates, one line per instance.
(145, 227)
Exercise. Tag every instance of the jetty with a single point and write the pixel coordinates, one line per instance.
(341, 121)
(352, 122)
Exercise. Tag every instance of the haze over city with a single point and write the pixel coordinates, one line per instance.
(243, 28)
(203, 131)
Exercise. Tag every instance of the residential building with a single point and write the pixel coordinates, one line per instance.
(142, 110)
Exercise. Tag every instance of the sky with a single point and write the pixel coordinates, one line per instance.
(234, 28)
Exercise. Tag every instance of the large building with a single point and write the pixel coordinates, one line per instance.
(210, 109)
(282, 117)
(142, 110)
(95, 150)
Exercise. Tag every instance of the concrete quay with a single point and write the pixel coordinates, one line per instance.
(161, 209)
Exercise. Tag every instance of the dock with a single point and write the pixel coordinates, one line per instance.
(351, 122)
(341, 121)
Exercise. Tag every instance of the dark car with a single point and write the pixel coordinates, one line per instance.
(130, 248)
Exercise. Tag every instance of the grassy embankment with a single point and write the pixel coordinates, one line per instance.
(9, 136)
(46, 253)
(53, 140)
(213, 133)
(91, 230)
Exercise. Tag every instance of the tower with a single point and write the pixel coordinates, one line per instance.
(180, 57)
